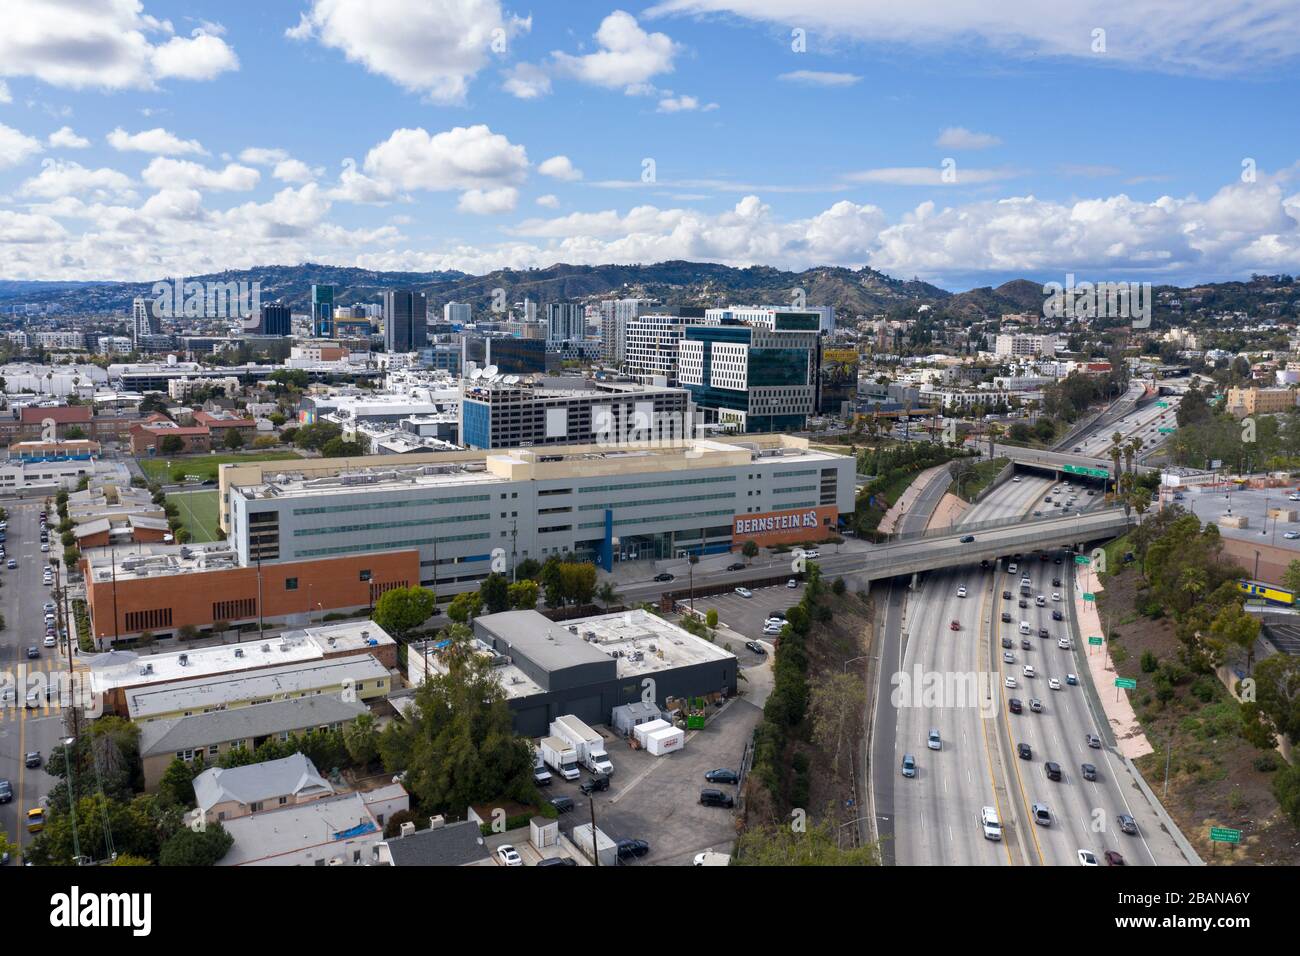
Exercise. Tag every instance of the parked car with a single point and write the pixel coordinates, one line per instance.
(509, 856)
(716, 798)
(792, 584)
(628, 848)
(745, 592)
(562, 804)
(664, 576)
(736, 566)
(557, 861)
(722, 775)
(757, 648)
(599, 781)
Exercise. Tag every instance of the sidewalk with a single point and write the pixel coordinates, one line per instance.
(948, 512)
(1130, 740)
(899, 508)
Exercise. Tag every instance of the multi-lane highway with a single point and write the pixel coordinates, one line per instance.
(954, 681)
(25, 729)
(1144, 423)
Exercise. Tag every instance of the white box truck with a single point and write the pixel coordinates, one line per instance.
(588, 744)
(541, 776)
(560, 757)
(605, 848)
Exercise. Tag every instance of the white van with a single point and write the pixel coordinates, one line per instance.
(1024, 627)
(990, 823)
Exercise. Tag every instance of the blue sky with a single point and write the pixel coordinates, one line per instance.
(142, 139)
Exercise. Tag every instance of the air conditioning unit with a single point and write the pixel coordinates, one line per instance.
(183, 659)
(407, 828)
(239, 652)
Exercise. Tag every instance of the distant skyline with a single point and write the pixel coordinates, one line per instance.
(961, 143)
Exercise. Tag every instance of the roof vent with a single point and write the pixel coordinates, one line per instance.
(239, 652)
(184, 659)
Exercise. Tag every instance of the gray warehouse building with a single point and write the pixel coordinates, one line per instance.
(589, 666)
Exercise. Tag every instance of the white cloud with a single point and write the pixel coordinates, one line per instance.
(18, 227)
(471, 157)
(203, 56)
(104, 43)
(262, 156)
(5, 95)
(66, 138)
(684, 104)
(1147, 34)
(164, 173)
(433, 47)
(929, 176)
(16, 147)
(157, 140)
(357, 187)
(560, 167)
(628, 55)
(484, 202)
(549, 201)
(819, 78)
(296, 171)
(959, 137)
(284, 167)
(527, 81)
(58, 178)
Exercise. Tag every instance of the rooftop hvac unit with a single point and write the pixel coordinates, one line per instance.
(407, 828)
(184, 659)
(266, 648)
(437, 822)
(239, 652)
(146, 669)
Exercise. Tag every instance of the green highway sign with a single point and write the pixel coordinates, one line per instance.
(1082, 559)
(1165, 431)
(1225, 835)
(1162, 404)
(1095, 641)
(1089, 596)
(1081, 470)
(1126, 683)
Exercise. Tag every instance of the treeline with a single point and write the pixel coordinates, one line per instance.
(894, 469)
(1187, 580)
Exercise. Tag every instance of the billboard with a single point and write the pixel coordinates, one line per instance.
(784, 527)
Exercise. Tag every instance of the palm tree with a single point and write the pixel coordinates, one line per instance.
(691, 562)
(607, 593)
(994, 431)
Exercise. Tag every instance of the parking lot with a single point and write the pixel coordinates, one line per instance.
(656, 799)
(746, 615)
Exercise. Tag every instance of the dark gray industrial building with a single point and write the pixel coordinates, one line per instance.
(589, 666)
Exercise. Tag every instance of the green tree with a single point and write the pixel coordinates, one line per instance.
(494, 593)
(464, 607)
(177, 784)
(1277, 691)
(401, 610)
(234, 439)
(314, 436)
(523, 595)
(1286, 788)
(187, 847)
(578, 582)
(711, 617)
(607, 593)
(338, 448)
(362, 740)
(782, 845)
(750, 549)
(171, 444)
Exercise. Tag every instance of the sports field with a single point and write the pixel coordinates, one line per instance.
(202, 467)
(198, 513)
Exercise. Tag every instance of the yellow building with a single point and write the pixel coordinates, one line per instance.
(1260, 401)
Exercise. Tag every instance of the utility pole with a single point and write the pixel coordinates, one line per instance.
(595, 847)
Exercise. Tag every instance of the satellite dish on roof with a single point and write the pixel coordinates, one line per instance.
(490, 371)
(476, 374)
(511, 379)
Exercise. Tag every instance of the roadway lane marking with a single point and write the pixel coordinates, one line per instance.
(987, 752)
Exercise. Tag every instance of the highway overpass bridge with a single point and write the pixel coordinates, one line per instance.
(932, 551)
(1061, 463)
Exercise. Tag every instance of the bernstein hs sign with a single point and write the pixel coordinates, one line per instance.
(781, 527)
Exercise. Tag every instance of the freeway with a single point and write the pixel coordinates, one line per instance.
(936, 812)
(23, 729)
(1144, 424)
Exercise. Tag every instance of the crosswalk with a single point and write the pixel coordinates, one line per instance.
(41, 688)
